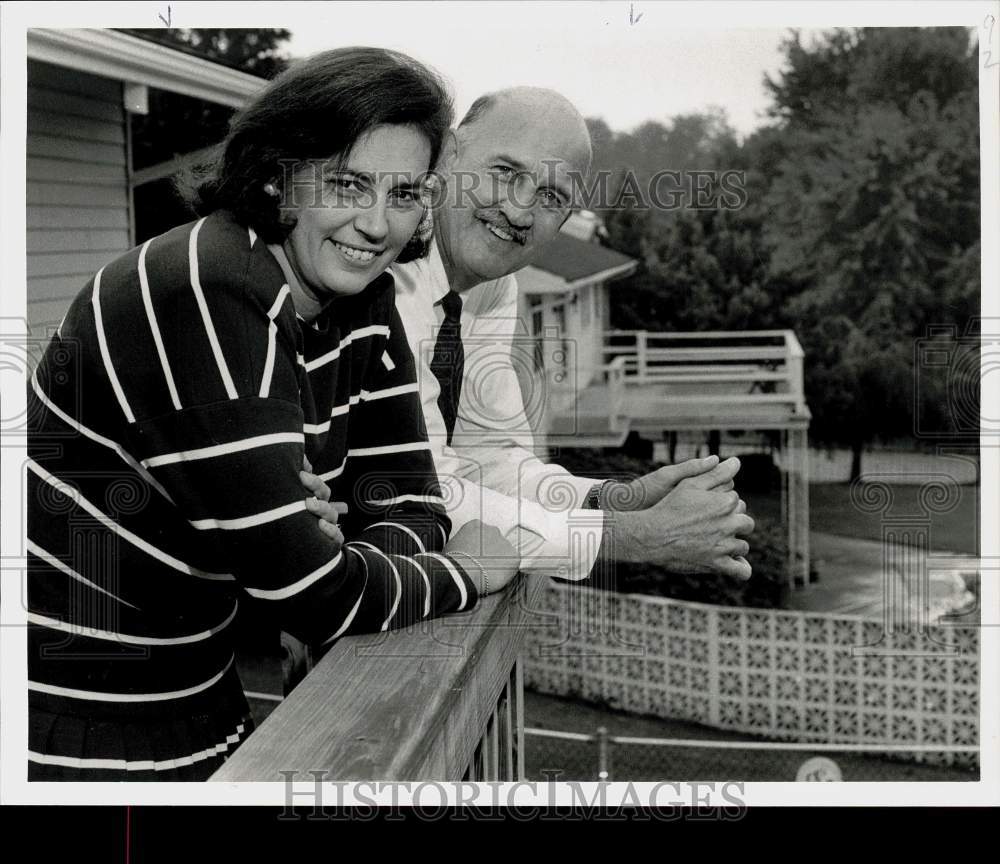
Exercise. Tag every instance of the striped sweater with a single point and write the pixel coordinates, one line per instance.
(168, 422)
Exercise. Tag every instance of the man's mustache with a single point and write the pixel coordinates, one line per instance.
(498, 220)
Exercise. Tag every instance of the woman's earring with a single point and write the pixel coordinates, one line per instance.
(425, 227)
(271, 189)
(420, 243)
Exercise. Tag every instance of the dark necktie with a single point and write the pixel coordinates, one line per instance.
(448, 362)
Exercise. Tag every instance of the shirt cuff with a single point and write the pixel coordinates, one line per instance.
(564, 492)
(569, 547)
(563, 543)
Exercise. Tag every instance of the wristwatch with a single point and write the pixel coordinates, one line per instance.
(593, 500)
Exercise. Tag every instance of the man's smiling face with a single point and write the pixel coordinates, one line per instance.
(510, 177)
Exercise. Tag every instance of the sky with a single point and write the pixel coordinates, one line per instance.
(624, 62)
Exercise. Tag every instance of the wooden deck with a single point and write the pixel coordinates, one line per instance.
(686, 382)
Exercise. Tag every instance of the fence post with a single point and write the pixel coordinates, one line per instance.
(640, 355)
(603, 763)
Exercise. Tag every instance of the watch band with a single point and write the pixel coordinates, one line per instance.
(593, 500)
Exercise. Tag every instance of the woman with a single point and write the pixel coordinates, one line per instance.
(177, 402)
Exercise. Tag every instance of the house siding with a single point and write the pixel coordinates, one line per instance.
(77, 186)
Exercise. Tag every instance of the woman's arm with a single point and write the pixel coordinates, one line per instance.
(396, 509)
(229, 455)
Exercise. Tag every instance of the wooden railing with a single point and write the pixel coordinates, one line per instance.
(441, 700)
(766, 365)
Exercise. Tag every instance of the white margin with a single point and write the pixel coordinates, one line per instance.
(15, 18)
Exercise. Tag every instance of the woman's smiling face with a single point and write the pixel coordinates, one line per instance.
(354, 216)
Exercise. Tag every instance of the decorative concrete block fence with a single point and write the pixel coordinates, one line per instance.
(791, 676)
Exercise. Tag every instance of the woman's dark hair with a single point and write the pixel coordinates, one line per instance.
(317, 108)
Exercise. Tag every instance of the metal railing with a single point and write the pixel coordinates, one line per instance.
(441, 700)
(564, 755)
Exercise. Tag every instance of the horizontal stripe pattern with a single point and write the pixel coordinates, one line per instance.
(40, 553)
(299, 586)
(404, 499)
(195, 379)
(128, 638)
(363, 396)
(147, 547)
(407, 447)
(334, 354)
(251, 521)
(224, 449)
(103, 696)
(94, 436)
(408, 531)
(139, 764)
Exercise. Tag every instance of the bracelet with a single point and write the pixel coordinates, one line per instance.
(482, 569)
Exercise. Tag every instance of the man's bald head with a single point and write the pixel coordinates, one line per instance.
(536, 103)
(511, 170)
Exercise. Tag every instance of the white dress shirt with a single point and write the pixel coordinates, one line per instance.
(490, 472)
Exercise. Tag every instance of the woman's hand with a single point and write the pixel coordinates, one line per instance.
(487, 557)
(320, 505)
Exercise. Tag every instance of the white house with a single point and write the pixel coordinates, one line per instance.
(564, 306)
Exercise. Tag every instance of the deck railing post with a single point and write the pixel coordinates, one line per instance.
(519, 718)
(795, 360)
(615, 376)
(641, 369)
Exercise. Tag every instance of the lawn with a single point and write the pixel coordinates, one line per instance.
(578, 760)
(832, 510)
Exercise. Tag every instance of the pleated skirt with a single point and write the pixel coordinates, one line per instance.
(132, 743)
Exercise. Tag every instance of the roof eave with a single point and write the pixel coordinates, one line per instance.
(127, 58)
(616, 272)
(606, 275)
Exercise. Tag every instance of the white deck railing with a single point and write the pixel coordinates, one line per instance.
(761, 365)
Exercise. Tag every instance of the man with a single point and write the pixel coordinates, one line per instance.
(506, 187)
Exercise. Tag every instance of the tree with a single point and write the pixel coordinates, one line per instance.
(700, 268)
(177, 125)
(258, 52)
(860, 226)
(874, 207)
